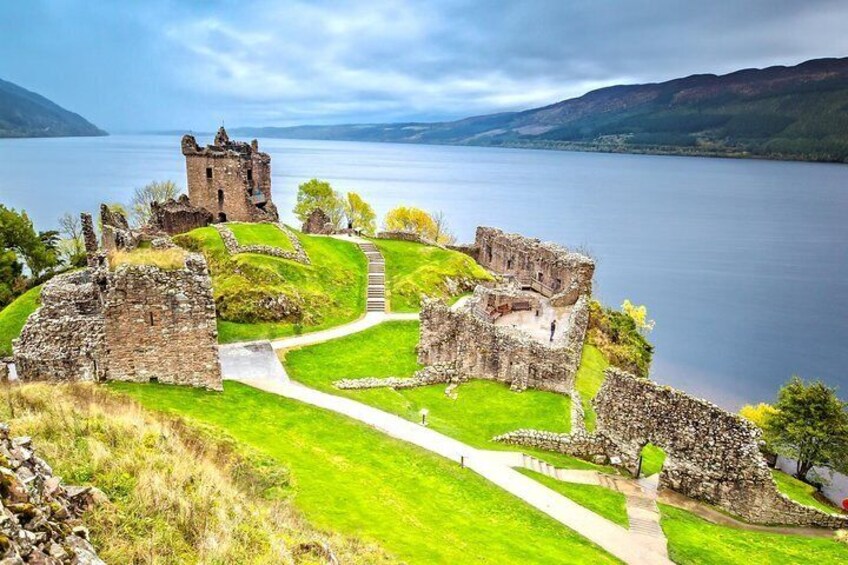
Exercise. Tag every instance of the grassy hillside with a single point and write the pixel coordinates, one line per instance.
(27, 114)
(779, 112)
(480, 411)
(261, 297)
(414, 270)
(350, 478)
(14, 316)
(261, 234)
(178, 492)
(800, 491)
(692, 540)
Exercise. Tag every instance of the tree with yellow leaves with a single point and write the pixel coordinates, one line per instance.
(412, 220)
(359, 214)
(639, 315)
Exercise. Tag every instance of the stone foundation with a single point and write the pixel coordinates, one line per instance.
(434, 374)
(233, 246)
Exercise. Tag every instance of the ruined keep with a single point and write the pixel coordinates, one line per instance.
(230, 179)
(134, 323)
(467, 340)
(711, 454)
(547, 268)
(177, 216)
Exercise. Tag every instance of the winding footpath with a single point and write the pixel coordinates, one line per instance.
(257, 364)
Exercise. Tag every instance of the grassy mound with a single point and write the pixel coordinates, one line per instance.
(800, 492)
(481, 410)
(414, 270)
(694, 540)
(352, 479)
(14, 316)
(262, 297)
(178, 493)
(608, 503)
(261, 234)
(167, 259)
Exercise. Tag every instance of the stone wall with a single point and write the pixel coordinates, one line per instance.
(318, 222)
(407, 236)
(63, 339)
(479, 349)
(178, 216)
(553, 270)
(233, 246)
(230, 179)
(160, 325)
(115, 231)
(711, 454)
(139, 323)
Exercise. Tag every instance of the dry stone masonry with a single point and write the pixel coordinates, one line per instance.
(711, 454)
(40, 517)
(178, 216)
(136, 323)
(233, 246)
(231, 179)
(548, 268)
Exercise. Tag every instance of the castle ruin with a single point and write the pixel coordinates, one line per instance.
(230, 179)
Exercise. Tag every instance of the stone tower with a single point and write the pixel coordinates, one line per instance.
(231, 179)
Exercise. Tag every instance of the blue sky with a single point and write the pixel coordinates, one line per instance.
(157, 64)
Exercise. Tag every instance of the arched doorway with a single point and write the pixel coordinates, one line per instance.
(651, 460)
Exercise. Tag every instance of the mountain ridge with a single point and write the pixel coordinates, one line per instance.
(795, 112)
(24, 113)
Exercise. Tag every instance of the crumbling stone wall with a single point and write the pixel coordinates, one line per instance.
(63, 339)
(318, 222)
(479, 349)
(178, 216)
(548, 268)
(96, 325)
(41, 516)
(160, 325)
(407, 236)
(231, 179)
(233, 247)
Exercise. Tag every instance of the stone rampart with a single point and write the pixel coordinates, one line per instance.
(115, 231)
(551, 269)
(711, 454)
(160, 325)
(407, 236)
(479, 349)
(178, 216)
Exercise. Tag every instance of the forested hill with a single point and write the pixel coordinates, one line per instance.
(798, 112)
(27, 114)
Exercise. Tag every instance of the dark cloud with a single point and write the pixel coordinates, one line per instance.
(160, 64)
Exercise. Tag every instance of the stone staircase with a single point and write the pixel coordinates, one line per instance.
(376, 296)
(641, 496)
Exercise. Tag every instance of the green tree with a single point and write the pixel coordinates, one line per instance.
(71, 248)
(360, 215)
(143, 197)
(810, 426)
(17, 234)
(316, 193)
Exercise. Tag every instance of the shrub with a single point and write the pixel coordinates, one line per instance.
(619, 339)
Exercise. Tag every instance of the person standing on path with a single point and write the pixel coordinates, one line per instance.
(553, 329)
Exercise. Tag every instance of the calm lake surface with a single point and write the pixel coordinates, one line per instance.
(743, 264)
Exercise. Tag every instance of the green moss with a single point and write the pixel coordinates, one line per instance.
(414, 270)
(800, 491)
(14, 316)
(261, 234)
(608, 503)
(352, 479)
(696, 541)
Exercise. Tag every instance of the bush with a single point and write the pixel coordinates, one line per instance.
(616, 335)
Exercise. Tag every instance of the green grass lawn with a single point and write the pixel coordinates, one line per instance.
(332, 288)
(14, 316)
(652, 460)
(348, 477)
(608, 503)
(261, 234)
(414, 270)
(696, 541)
(482, 409)
(588, 381)
(800, 491)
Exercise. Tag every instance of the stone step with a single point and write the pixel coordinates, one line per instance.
(646, 527)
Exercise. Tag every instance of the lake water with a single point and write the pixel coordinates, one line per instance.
(743, 264)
